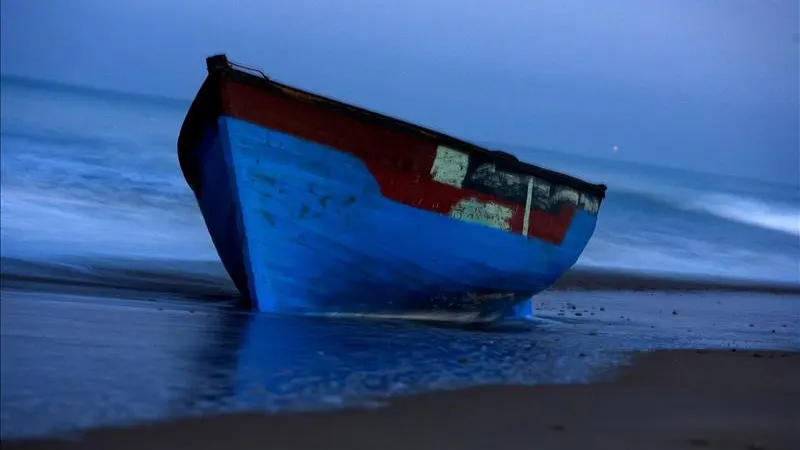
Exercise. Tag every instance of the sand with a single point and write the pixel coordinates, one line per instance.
(665, 399)
(609, 280)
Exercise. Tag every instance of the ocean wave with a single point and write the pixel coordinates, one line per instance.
(130, 278)
(781, 214)
(59, 224)
(686, 256)
(751, 211)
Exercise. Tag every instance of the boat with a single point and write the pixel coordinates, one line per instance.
(320, 207)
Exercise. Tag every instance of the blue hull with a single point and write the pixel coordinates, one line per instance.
(303, 229)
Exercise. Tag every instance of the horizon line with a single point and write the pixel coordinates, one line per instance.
(483, 142)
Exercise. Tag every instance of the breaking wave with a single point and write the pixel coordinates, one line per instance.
(751, 211)
(775, 211)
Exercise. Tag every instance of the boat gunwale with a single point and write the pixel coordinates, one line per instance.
(219, 66)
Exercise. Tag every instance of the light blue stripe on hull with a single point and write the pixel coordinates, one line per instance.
(316, 237)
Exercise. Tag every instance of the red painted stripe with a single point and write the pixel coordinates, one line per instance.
(400, 162)
(420, 191)
(549, 227)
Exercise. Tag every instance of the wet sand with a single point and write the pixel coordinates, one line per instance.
(107, 349)
(664, 399)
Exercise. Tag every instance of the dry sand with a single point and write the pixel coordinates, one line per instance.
(666, 399)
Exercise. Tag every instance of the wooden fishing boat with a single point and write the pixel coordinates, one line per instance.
(320, 207)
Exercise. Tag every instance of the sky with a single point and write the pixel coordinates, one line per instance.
(709, 85)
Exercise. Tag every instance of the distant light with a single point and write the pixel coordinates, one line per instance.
(615, 148)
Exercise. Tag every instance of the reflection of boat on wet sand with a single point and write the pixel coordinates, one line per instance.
(319, 207)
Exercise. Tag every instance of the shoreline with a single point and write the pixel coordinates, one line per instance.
(208, 279)
(663, 399)
(598, 279)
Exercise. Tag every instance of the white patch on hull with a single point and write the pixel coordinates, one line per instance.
(590, 204)
(450, 166)
(489, 214)
(528, 200)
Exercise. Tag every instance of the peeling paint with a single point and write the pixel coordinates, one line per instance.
(590, 203)
(489, 214)
(497, 179)
(541, 188)
(450, 166)
(565, 194)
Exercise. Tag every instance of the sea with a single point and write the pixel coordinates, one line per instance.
(89, 174)
(115, 307)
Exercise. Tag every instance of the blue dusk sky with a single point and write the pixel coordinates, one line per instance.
(710, 85)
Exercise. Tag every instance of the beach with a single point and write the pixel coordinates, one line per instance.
(663, 400)
(157, 368)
